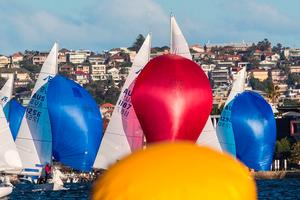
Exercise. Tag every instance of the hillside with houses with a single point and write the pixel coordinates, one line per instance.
(273, 71)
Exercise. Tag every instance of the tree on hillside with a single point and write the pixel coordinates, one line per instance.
(256, 84)
(295, 153)
(26, 64)
(277, 48)
(112, 95)
(264, 45)
(97, 89)
(282, 148)
(293, 79)
(138, 43)
(291, 102)
(273, 92)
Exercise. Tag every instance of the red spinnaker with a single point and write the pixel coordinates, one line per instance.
(172, 99)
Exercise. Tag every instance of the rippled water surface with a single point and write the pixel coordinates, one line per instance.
(279, 189)
(267, 189)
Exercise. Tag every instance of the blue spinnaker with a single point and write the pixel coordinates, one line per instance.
(254, 130)
(76, 124)
(225, 132)
(14, 113)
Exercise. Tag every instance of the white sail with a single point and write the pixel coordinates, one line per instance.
(178, 45)
(9, 156)
(6, 91)
(238, 86)
(209, 136)
(117, 141)
(34, 140)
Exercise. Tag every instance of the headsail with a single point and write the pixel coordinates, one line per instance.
(224, 126)
(119, 139)
(6, 90)
(34, 140)
(9, 156)
(13, 110)
(180, 47)
(238, 86)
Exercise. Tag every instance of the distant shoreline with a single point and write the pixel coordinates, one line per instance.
(261, 175)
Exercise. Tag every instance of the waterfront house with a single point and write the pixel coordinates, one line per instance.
(40, 58)
(4, 61)
(82, 77)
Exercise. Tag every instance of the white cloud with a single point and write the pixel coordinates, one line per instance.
(108, 23)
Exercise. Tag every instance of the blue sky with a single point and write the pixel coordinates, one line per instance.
(103, 24)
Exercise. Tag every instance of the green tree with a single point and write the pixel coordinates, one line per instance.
(111, 95)
(282, 148)
(138, 43)
(291, 102)
(277, 48)
(256, 84)
(97, 89)
(272, 91)
(264, 45)
(293, 79)
(295, 153)
(26, 64)
(217, 110)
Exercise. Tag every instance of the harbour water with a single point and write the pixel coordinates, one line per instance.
(267, 189)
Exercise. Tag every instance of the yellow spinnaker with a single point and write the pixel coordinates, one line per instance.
(176, 171)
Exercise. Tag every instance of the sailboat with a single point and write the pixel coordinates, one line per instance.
(34, 139)
(179, 46)
(9, 156)
(124, 134)
(224, 128)
(13, 110)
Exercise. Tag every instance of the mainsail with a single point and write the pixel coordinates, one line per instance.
(180, 47)
(34, 140)
(9, 156)
(119, 139)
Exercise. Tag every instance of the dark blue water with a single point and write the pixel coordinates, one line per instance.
(267, 189)
(279, 189)
(75, 191)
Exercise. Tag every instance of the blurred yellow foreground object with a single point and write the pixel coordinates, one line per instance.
(176, 171)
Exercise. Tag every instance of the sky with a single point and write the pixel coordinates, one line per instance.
(103, 24)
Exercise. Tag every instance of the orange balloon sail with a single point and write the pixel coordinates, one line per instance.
(177, 171)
